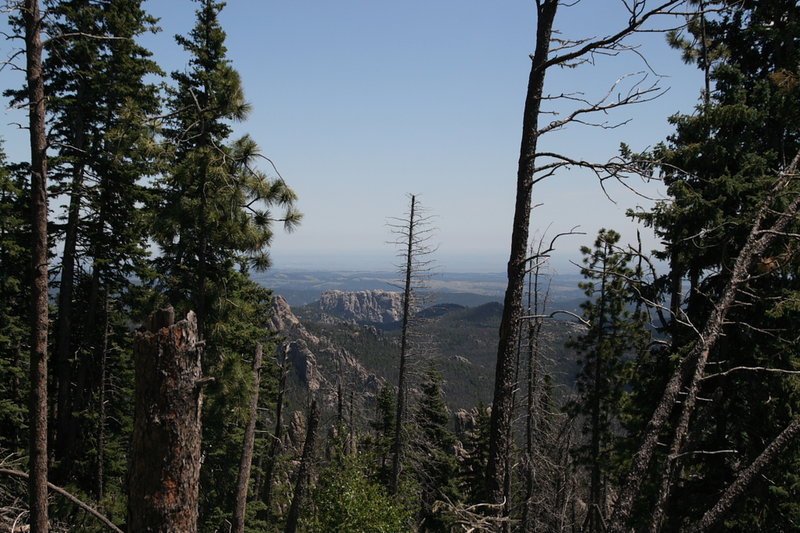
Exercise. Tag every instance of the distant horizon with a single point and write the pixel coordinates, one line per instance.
(387, 262)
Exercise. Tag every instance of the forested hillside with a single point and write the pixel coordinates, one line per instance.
(150, 383)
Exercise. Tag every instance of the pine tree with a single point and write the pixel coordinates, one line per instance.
(613, 333)
(214, 213)
(213, 224)
(14, 292)
(434, 452)
(100, 105)
(718, 166)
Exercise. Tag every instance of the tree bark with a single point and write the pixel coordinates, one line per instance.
(500, 425)
(165, 453)
(247, 447)
(303, 471)
(39, 320)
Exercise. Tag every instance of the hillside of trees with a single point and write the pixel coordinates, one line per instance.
(145, 380)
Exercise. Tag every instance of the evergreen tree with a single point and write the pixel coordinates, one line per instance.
(718, 165)
(214, 212)
(100, 103)
(213, 224)
(613, 333)
(14, 292)
(434, 452)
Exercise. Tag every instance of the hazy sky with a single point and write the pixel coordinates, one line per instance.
(359, 103)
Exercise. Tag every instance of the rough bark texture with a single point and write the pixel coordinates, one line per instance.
(240, 509)
(165, 454)
(502, 404)
(301, 485)
(39, 319)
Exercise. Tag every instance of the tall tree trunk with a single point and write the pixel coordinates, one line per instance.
(63, 344)
(101, 417)
(401, 379)
(39, 319)
(500, 425)
(247, 447)
(275, 447)
(165, 452)
(303, 471)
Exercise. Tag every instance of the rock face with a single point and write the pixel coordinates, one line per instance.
(376, 307)
(316, 364)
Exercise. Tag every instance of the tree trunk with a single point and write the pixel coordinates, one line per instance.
(247, 447)
(39, 319)
(303, 470)
(499, 432)
(275, 447)
(401, 379)
(165, 453)
(101, 422)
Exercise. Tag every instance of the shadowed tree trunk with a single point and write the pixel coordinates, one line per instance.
(247, 447)
(275, 447)
(301, 486)
(165, 454)
(37, 485)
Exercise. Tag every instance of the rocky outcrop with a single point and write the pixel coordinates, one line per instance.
(374, 307)
(316, 364)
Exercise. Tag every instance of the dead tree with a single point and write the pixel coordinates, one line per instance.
(535, 166)
(165, 451)
(247, 447)
(32, 19)
(413, 234)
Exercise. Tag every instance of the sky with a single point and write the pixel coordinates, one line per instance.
(360, 103)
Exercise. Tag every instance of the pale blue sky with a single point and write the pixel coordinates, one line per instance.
(360, 102)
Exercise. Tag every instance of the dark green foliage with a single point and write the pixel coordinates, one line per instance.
(614, 333)
(385, 413)
(433, 452)
(473, 467)
(214, 209)
(14, 290)
(718, 165)
(99, 103)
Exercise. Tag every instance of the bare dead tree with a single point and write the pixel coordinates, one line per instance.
(535, 166)
(246, 461)
(413, 237)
